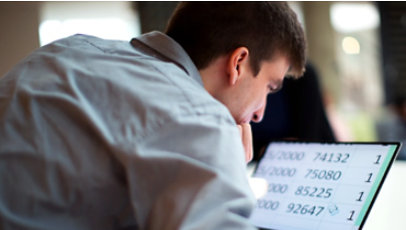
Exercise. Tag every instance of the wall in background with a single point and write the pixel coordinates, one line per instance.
(19, 23)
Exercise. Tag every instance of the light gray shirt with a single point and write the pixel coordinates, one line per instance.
(98, 134)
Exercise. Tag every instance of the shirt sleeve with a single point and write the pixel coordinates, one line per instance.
(190, 175)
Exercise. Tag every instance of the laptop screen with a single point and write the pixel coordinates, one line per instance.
(320, 185)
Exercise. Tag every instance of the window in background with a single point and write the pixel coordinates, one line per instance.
(109, 20)
(358, 66)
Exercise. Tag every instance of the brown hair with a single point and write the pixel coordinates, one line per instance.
(207, 30)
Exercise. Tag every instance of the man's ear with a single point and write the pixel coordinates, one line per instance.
(237, 60)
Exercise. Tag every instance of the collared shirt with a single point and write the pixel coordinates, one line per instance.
(99, 134)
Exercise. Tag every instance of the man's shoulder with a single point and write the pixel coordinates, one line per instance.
(181, 96)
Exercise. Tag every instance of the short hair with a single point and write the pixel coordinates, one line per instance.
(207, 30)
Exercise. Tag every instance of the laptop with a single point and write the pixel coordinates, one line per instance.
(320, 186)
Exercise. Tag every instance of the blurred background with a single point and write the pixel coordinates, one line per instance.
(356, 53)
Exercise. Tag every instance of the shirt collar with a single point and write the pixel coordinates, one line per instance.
(169, 48)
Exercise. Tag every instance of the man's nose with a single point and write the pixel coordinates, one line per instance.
(259, 114)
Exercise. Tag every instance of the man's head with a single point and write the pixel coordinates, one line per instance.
(240, 49)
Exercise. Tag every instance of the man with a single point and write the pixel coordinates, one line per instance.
(98, 134)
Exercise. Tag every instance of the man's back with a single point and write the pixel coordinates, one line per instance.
(99, 134)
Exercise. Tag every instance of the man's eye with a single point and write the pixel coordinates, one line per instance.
(271, 89)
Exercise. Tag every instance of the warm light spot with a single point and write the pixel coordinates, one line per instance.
(351, 45)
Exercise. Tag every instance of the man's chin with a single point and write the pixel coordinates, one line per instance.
(244, 121)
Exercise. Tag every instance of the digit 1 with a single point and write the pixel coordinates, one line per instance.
(360, 196)
(331, 157)
(369, 178)
(352, 214)
(378, 158)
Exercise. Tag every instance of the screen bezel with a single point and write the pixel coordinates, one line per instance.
(393, 158)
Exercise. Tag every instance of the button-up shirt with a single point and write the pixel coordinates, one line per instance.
(100, 134)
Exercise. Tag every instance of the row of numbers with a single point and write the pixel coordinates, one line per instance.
(294, 208)
(320, 174)
(314, 174)
(338, 157)
(309, 191)
(319, 156)
(317, 192)
(299, 209)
